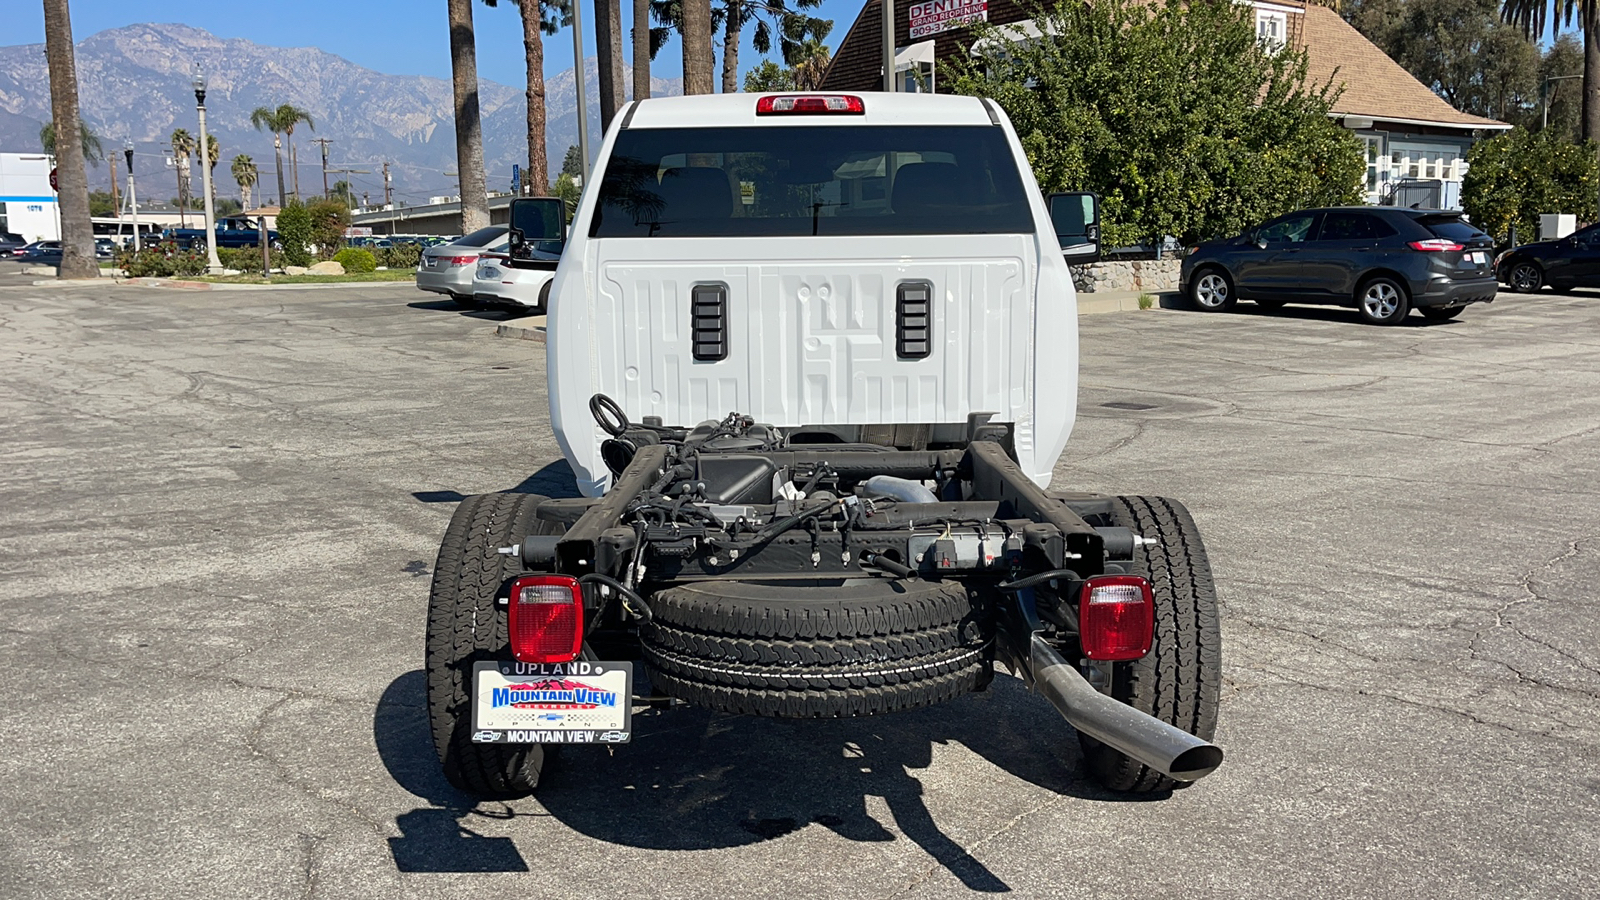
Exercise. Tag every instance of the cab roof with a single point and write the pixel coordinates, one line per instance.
(722, 110)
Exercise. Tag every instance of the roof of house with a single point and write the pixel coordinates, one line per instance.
(1374, 85)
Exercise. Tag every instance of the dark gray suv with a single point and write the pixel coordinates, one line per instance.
(1384, 261)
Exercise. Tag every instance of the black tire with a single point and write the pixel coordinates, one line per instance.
(1180, 679)
(1211, 290)
(544, 298)
(866, 647)
(466, 625)
(1441, 313)
(1525, 277)
(465, 301)
(1382, 301)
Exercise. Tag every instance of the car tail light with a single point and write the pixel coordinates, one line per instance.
(1436, 245)
(1116, 617)
(458, 260)
(834, 104)
(546, 619)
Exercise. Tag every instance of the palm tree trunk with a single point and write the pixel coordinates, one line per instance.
(697, 63)
(538, 176)
(77, 234)
(1591, 70)
(732, 33)
(294, 167)
(469, 125)
(641, 49)
(277, 154)
(608, 55)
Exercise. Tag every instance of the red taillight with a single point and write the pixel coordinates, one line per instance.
(836, 104)
(1116, 617)
(1436, 245)
(458, 260)
(546, 619)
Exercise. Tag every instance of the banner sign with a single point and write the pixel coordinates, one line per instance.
(935, 16)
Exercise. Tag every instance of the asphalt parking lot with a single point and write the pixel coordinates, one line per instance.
(219, 514)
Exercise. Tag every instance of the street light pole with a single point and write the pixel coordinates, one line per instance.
(133, 195)
(1544, 96)
(213, 265)
(578, 71)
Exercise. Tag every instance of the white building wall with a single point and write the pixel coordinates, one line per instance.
(30, 204)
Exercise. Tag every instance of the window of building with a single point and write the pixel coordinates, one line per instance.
(913, 68)
(1272, 28)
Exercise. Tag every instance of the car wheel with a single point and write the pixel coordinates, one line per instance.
(1525, 277)
(1383, 301)
(543, 308)
(1211, 291)
(1441, 313)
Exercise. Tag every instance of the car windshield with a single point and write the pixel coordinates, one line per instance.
(812, 180)
(483, 237)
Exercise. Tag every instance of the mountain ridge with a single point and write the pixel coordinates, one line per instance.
(134, 82)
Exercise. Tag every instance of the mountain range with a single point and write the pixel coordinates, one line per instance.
(135, 83)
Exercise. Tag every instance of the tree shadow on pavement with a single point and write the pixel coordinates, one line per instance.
(698, 780)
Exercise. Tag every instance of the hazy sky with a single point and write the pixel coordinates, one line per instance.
(405, 37)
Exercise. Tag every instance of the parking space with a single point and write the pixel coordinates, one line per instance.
(219, 516)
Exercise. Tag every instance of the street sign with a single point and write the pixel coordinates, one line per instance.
(54, 185)
(936, 16)
(516, 179)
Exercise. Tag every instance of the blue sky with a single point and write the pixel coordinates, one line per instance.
(406, 37)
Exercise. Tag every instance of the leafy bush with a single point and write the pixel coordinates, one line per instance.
(329, 219)
(294, 232)
(400, 256)
(356, 259)
(162, 261)
(1514, 177)
(1174, 112)
(247, 259)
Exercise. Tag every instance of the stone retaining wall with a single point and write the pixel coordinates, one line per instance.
(1131, 275)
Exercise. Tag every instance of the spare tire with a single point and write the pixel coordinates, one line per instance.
(815, 649)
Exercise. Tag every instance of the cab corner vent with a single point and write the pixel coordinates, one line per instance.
(914, 320)
(708, 312)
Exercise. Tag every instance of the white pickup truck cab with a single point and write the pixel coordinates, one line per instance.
(810, 231)
(846, 334)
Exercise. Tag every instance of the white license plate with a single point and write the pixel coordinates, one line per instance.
(558, 703)
(1481, 257)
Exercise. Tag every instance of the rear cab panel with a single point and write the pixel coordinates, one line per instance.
(812, 320)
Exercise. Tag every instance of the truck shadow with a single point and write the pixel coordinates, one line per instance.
(552, 480)
(696, 780)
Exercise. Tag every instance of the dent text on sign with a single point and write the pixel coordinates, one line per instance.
(935, 16)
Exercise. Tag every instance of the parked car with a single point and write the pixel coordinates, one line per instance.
(104, 248)
(448, 268)
(234, 232)
(498, 282)
(11, 244)
(44, 252)
(1384, 261)
(1563, 264)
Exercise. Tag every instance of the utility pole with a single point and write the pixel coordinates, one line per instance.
(888, 45)
(577, 80)
(133, 195)
(388, 186)
(324, 142)
(116, 195)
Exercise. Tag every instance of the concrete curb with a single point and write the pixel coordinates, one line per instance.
(179, 284)
(530, 328)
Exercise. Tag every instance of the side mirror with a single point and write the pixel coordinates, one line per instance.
(536, 221)
(1076, 217)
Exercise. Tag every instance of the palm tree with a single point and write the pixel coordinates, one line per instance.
(770, 17)
(288, 118)
(244, 175)
(642, 51)
(183, 144)
(537, 22)
(265, 118)
(213, 156)
(77, 233)
(469, 124)
(810, 62)
(93, 151)
(1533, 16)
(697, 61)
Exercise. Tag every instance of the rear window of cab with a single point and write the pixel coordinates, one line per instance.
(817, 180)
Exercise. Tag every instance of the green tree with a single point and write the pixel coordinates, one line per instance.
(281, 121)
(183, 144)
(1462, 49)
(539, 18)
(244, 175)
(572, 164)
(567, 190)
(329, 219)
(101, 205)
(294, 231)
(1562, 97)
(1514, 177)
(93, 151)
(1535, 16)
(767, 77)
(1174, 113)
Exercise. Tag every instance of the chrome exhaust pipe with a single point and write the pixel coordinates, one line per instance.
(1169, 750)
